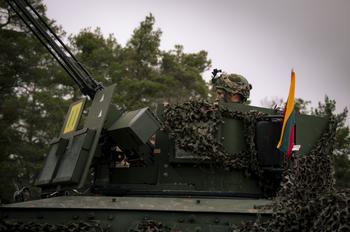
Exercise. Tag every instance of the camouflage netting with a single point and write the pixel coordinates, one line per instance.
(194, 126)
(307, 199)
(148, 225)
(7, 226)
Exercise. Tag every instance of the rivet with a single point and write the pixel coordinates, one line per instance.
(198, 201)
(165, 174)
(114, 200)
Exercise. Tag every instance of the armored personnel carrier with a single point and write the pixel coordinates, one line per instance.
(137, 171)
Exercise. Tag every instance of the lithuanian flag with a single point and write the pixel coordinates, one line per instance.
(286, 141)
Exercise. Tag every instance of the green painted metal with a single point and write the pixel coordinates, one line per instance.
(133, 128)
(308, 128)
(57, 146)
(176, 189)
(173, 187)
(128, 220)
(95, 120)
(125, 213)
(231, 136)
(74, 160)
(150, 204)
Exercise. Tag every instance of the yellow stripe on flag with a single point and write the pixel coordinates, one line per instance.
(289, 107)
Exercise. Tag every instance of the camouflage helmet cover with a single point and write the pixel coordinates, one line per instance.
(233, 83)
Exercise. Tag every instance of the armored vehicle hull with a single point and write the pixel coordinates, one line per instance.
(194, 167)
(132, 213)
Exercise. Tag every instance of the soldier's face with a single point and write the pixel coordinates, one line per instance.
(220, 94)
(231, 98)
(234, 98)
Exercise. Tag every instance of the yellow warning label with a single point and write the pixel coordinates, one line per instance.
(72, 121)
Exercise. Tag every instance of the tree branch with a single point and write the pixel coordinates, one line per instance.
(8, 21)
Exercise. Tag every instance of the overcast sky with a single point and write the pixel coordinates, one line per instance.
(262, 40)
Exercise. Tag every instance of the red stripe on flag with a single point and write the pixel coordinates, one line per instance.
(291, 143)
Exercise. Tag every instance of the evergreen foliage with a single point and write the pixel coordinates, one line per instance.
(35, 91)
(342, 136)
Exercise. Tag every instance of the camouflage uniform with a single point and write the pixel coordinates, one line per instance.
(234, 84)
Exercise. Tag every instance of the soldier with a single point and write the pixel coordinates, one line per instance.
(231, 88)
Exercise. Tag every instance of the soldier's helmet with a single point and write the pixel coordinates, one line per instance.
(233, 83)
